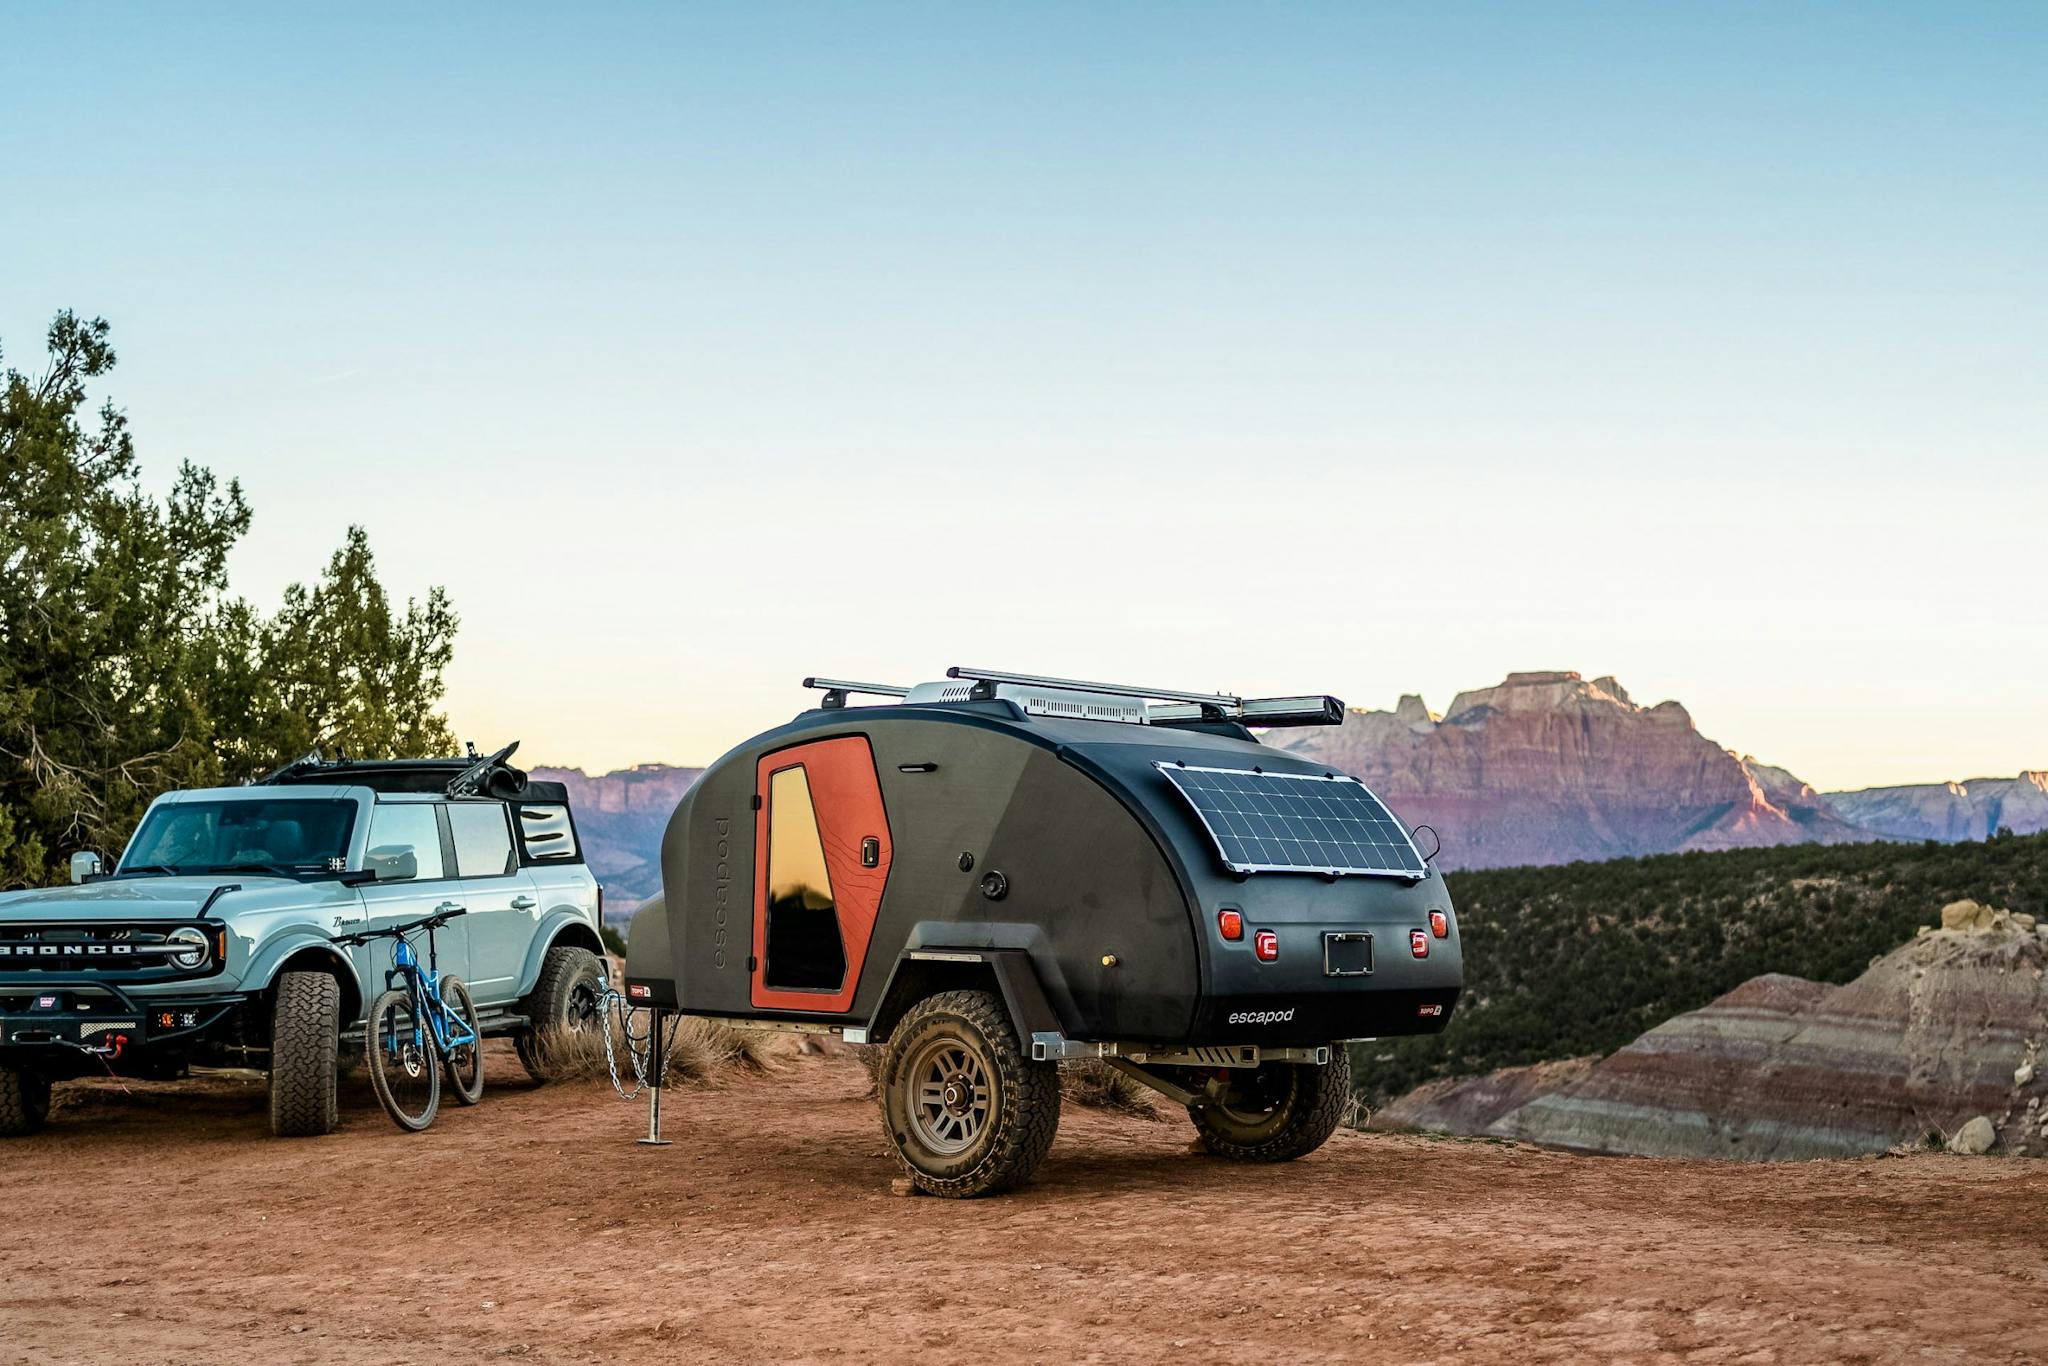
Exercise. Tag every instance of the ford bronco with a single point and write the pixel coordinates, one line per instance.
(212, 942)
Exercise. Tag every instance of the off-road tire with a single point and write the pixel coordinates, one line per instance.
(1311, 1107)
(465, 1083)
(1024, 1097)
(24, 1102)
(552, 1005)
(305, 1038)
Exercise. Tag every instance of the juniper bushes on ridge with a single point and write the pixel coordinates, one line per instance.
(128, 667)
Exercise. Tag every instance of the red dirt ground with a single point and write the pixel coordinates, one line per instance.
(165, 1226)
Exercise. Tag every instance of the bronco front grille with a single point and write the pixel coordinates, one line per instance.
(131, 949)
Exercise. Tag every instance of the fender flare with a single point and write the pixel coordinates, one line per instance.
(919, 970)
(280, 949)
(562, 925)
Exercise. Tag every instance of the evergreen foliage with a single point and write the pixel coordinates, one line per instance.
(128, 668)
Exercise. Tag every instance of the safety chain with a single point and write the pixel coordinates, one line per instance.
(639, 1047)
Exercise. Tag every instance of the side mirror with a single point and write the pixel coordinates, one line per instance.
(84, 864)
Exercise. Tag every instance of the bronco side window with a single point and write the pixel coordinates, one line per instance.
(804, 947)
(405, 842)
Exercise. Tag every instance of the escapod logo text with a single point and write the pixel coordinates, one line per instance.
(1262, 1016)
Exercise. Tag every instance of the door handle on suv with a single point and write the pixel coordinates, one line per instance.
(523, 903)
(446, 907)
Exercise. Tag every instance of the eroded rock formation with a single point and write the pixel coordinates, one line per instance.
(1946, 1028)
(1969, 810)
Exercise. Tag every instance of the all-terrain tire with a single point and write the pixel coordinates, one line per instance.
(961, 1044)
(305, 1037)
(24, 1102)
(1307, 1104)
(563, 1003)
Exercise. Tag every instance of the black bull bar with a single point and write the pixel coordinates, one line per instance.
(98, 1017)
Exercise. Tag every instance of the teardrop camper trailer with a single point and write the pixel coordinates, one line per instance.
(987, 875)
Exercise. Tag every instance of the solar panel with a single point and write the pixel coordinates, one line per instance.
(1296, 822)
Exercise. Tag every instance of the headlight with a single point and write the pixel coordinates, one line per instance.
(194, 956)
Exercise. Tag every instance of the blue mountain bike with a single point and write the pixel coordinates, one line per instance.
(422, 1025)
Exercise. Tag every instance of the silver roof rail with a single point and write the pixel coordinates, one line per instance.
(837, 690)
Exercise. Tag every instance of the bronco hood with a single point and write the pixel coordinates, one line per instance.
(129, 898)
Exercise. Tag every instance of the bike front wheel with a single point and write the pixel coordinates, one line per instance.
(465, 1060)
(405, 1069)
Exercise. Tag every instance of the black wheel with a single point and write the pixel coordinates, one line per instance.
(565, 1008)
(1277, 1111)
(967, 1110)
(305, 1035)
(465, 1065)
(405, 1068)
(24, 1102)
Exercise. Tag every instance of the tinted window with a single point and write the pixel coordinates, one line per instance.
(483, 842)
(286, 834)
(405, 842)
(804, 947)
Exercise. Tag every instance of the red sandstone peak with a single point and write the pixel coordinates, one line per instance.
(1546, 767)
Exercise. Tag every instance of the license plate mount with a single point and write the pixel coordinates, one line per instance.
(1347, 953)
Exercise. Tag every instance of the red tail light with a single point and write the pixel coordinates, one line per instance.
(1266, 945)
(1418, 943)
(1230, 924)
(1439, 924)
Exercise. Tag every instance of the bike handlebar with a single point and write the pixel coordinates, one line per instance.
(395, 931)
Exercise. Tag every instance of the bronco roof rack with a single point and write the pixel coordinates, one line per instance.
(1039, 694)
(465, 775)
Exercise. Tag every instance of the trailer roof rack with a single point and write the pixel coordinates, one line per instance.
(1134, 704)
(837, 690)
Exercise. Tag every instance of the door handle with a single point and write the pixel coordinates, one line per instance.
(523, 903)
(446, 907)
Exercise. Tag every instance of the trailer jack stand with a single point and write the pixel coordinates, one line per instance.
(657, 1068)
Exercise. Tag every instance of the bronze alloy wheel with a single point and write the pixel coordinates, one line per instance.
(967, 1110)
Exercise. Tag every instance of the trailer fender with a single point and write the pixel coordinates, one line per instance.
(928, 969)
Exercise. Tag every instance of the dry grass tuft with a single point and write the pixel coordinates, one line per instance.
(1097, 1085)
(706, 1050)
(700, 1051)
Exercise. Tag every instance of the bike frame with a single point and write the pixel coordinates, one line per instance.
(441, 1023)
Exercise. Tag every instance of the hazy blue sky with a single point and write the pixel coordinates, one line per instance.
(1360, 348)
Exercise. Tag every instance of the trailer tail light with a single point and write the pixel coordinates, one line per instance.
(1439, 924)
(1230, 924)
(1266, 945)
(1418, 943)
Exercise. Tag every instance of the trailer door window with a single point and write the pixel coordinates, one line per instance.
(805, 951)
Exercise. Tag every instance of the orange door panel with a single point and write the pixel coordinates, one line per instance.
(821, 859)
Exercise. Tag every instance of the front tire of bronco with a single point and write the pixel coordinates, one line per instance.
(305, 1036)
(24, 1102)
(567, 1002)
(1276, 1112)
(967, 1110)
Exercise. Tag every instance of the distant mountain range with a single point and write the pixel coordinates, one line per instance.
(621, 816)
(1550, 768)
(1541, 768)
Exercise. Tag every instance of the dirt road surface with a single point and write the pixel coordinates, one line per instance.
(165, 1226)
